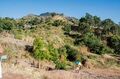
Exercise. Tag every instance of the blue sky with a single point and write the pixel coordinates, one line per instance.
(75, 8)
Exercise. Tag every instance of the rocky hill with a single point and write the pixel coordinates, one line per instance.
(53, 41)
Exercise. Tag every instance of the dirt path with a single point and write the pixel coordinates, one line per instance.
(60, 74)
(24, 71)
(13, 76)
(83, 74)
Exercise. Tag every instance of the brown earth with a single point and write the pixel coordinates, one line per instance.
(22, 71)
(13, 76)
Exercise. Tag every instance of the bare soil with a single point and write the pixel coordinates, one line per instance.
(27, 72)
(13, 76)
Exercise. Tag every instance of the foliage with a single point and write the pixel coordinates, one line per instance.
(59, 23)
(94, 43)
(67, 28)
(51, 14)
(107, 24)
(84, 28)
(62, 53)
(72, 54)
(7, 23)
(60, 65)
(53, 52)
(40, 49)
(18, 34)
(114, 42)
(44, 51)
(73, 20)
(35, 21)
(87, 23)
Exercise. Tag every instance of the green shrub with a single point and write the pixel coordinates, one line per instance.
(60, 65)
(53, 52)
(72, 54)
(44, 51)
(62, 53)
(67, 28)
(114, 42)
(40, 49)
(7, 23)
(94, 43)
(58, 23)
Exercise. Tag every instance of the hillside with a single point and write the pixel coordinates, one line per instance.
(53, 41)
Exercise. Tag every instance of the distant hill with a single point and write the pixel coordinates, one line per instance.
(51, 14)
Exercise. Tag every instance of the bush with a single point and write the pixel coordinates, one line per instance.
(40, 49)
(94, 43)
(67, 28)
(114, 42)
(43, 51)
(58, 23)
(60, 65)
(72, 54)
(7, 23)
(53, 52)
(62, 53)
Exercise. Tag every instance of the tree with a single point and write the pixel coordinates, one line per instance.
(85, 23)
(107, 24)
(114, 29)
(7, 23)
(114, 42)
(97, 21)
(84, 28)
(94, 43)
(89, 18)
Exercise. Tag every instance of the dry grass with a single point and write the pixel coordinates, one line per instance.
(84, 50)
(56, 37)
